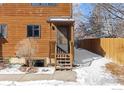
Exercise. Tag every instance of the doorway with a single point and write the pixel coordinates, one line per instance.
(63, 38)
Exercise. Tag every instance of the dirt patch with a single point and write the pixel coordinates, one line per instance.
(116, 70)
(28, 69)
(3, 65)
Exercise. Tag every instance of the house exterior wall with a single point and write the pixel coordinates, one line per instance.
(18, 16)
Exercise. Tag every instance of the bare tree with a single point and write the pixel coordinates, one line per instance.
(76, 15)
(96, 21)
(27, 48)
(105, 19)
(119, 29)
(81, 22)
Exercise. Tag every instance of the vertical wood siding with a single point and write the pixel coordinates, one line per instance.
(112, 48)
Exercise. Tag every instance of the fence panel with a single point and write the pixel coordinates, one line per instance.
(111, 48)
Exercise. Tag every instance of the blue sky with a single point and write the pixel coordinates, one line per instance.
(83, 9)
(86, 8)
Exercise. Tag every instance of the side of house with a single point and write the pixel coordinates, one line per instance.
(21, 21)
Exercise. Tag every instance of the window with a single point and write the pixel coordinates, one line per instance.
(38, 63)
(3, 30)
(33, 31)
(43, 4)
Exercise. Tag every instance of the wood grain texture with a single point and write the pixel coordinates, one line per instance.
(112, 48)
(18, 16)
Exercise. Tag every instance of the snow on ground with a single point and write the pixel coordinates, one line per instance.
(46, 70)
(91, 71)
(14, 69)
(38, 83)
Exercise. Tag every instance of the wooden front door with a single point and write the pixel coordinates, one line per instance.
(63, 38)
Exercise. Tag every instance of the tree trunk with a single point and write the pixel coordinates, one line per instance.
(30, 63)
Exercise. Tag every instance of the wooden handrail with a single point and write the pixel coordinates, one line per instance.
(60, 50)
(71, 51)
(62, 60)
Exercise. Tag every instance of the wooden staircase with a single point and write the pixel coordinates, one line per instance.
(63, 61)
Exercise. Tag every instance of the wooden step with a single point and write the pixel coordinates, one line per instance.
(61, 68)
(63, 61)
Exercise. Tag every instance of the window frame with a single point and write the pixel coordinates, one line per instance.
(5, 31)
(33, 36)
(40, 4)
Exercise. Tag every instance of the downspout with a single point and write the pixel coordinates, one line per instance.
(71, 10)
(50, 45)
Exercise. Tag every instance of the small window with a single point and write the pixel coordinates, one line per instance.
(3, 30)
(38, 63)
(43, 4)
(33, 31)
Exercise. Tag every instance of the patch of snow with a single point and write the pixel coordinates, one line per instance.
(5, 83)
(43, 83)
(83, 56)
(46, 70)
(62, 19)
(38, 83)
(94, 74)
(12, 69)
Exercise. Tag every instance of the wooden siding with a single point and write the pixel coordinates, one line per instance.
(18, 16)
(112, 48)
(61, 9)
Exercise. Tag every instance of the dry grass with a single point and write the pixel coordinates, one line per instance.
(29, 69)
(116, 70)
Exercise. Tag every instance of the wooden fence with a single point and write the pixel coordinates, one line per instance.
(111, 48)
